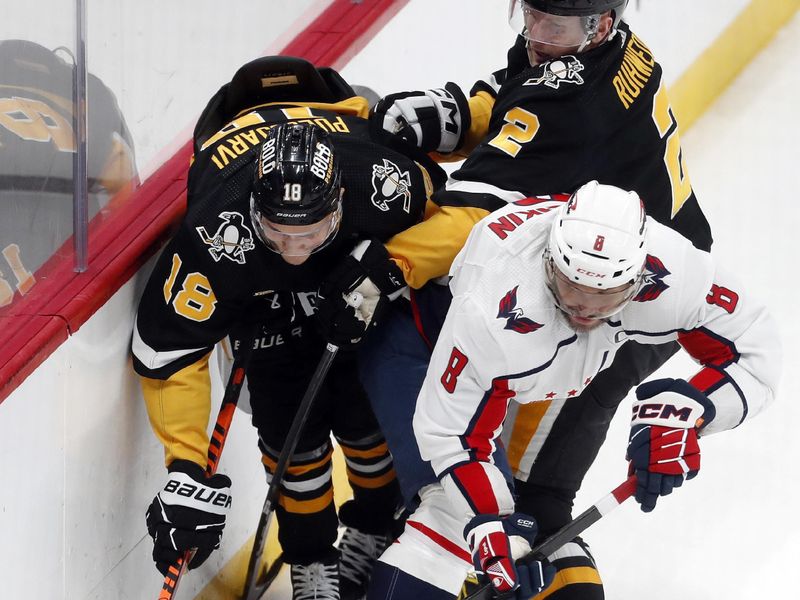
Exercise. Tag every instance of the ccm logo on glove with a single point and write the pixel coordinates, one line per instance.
(663, 412)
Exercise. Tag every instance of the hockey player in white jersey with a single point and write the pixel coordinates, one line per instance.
(544, 293)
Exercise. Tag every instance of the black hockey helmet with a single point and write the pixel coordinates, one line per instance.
(562, 23)
(297, 177)
(578, 8)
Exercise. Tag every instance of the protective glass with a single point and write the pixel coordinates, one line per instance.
(553, 30)
(298, 240)
(582, 301)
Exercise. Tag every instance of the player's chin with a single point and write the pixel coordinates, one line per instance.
(582, 324)
(296, 259)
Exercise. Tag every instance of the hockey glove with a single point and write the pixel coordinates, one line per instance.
(188, 513)
(495, 542)
(356, 291)
(662, 447)
(432, 120)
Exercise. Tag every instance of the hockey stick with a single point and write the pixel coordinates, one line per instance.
(253, 590)
(569, 531)
(215, 445)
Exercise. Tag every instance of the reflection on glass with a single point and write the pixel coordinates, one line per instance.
(37, 147)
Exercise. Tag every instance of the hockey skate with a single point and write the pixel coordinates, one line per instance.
(317, 581)
(359, 551)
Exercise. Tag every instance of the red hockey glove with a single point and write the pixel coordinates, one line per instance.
(662, 447)
(431, 120)
(189, 513)
(495, 542)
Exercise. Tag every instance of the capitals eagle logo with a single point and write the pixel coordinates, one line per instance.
(513, 315)
(231, 239)
(652, 280)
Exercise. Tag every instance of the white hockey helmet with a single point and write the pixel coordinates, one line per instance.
(598, 241)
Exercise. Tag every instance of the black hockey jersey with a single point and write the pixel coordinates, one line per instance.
(602, 114)
(215, 265)
(215, 273)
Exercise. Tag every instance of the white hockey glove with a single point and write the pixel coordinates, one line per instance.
(189, 513)
(496, 542)
(662, 447)
(431, 119)
(355, 292)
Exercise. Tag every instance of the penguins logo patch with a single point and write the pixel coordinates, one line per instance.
(232, 239)
(389, 184)
(560, 70)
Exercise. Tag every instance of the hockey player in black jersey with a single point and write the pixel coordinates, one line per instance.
(581, 98)
(281, 198)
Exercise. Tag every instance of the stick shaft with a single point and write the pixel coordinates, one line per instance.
(569, 531)
(282, 465)
(215, 446)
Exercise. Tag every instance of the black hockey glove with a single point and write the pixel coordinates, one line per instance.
(356, 292)
(188, 513)
(662, 449)
(431, 119)
(496, 542)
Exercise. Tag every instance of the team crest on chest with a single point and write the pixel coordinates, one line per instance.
(231, 239)
(557, 71)
(653, 280)
(514, 320)
(389, 184)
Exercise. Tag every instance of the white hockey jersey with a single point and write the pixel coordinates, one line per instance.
(504, 339)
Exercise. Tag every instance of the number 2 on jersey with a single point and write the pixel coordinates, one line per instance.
(520, 128)
(673, 157)
(196, 300)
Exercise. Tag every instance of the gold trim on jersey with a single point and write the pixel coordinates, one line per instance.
(249, 128)
(426, 250)
(179, 409)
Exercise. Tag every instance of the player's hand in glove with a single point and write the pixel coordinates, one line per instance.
(356, 291)
(496, 542)
(188, 513)
(662, 447)
(431, 119)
